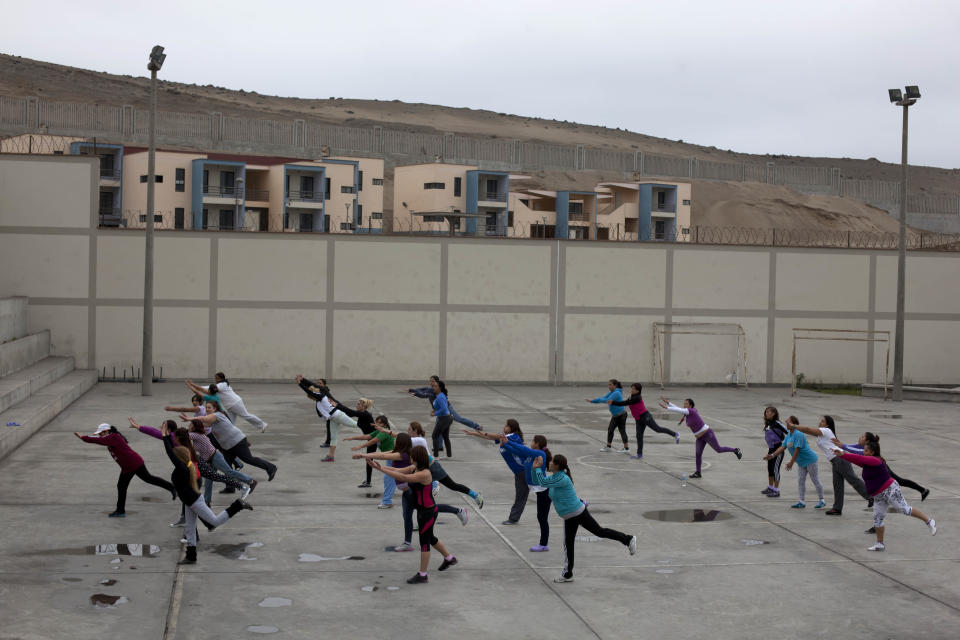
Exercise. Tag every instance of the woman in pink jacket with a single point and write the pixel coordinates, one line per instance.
(131, 464)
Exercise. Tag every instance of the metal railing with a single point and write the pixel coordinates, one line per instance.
(578, 217)
(109, 216)
(236, 192)
(110, 174)
(256, 194)
(493, 196)
(312, 195)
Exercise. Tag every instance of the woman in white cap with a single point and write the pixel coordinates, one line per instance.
(131, 464)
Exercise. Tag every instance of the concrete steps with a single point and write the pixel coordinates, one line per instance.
(42, 407)
(34, 386)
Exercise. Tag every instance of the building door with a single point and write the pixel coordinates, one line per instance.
(306, 188)
(226, 183)
(659, 229)
(661, 200)
(226, 219)
(306, 222)
(491, 189)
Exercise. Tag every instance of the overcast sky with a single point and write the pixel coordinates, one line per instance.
(800, 78)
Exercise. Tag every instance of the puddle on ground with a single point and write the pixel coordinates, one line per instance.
(109, 582)
(155, 499)
(276, 602)
(72, 579)
(751, 543)
(235, 551)
(664, 571)
(393, 588)
(687, 515)
(103, 601)
(262, 628)
(369, 588)
(148, 550)
(894, 416)
(312, 557)
(372, 495)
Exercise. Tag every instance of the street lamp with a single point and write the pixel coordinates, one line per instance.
(912, 94)
(146, 365)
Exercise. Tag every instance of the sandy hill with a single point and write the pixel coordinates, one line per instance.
(715, 203)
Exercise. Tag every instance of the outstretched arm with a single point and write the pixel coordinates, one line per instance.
(423, 477)
(810, 431)
(633, 399)
(482, 434)
(771, 456)
(378, 455)
(189, 409)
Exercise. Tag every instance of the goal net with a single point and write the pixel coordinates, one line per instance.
(700, 352)
(872, 339)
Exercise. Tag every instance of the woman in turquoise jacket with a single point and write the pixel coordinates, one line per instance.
(573, 511)
(618, 415)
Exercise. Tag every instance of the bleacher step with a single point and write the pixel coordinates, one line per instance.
(22, 352)
(42, 407)
(19, 386)
(13, 318)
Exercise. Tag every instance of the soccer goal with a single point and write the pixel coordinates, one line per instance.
(870, 336)
(729, 340)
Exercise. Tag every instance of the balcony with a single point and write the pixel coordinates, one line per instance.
(312, 195)
(579, 217)
(259, 195)
(110, 175)
(663, 208)
(493, 196)
(236, 193)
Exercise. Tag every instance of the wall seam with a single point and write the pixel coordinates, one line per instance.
(771, 317)
(329, 316)
(213, 314)
(871, 319)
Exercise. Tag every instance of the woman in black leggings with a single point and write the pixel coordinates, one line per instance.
(642, 416)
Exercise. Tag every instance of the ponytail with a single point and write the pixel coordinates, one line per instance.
(616, 383)
(515, 428)
(830, 424)
(560, 462)
(873, 441)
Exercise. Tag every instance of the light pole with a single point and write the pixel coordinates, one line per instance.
(146, 366)
(901, 100)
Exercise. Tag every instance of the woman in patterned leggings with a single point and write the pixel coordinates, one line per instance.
(419, 482)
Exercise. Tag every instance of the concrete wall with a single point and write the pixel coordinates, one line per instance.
(266, 306)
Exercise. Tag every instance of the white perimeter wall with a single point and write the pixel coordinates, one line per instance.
(266, 306)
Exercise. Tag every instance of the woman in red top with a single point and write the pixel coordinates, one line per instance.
(131, 464)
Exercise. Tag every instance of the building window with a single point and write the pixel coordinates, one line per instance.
(359, 214)
(204, 218)
(661, 200)
(377, 182)
(157, 179)
(346, 226)
(376, 215)
(226, 219)
(659, 229)
(576, 208)
(686, 203)
(326, 188)
(359, 180)
(434, 185)
(156, 218)
(178, 218)
(457, 187)
(180, 180)
(433, 218)
(346, 189)
(206, 180)
(306, 222)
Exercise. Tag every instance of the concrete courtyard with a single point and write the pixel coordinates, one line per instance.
(310, 560)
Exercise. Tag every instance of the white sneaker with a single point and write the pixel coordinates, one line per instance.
(264, 427)
(384, 506)
(435, 491)
(563, 579)
(933, 526)
(406, 546)
(462, 514)
(246, 492)
(606, 449)
(624, 450)
(633, 545)
(183, 541)
(678, 438)
(877, 547)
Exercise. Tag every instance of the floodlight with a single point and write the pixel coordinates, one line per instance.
(156, 58)
(895, 95)
(913, 92)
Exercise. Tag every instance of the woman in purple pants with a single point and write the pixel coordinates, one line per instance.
(703, 433)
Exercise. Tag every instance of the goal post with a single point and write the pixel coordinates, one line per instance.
(730, 329)
(871, 336)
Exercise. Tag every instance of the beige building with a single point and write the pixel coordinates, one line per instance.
(646, 210)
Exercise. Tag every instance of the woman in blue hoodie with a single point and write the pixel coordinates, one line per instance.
(573, 511)
(526, 456)
(511, 433)
(618, 414)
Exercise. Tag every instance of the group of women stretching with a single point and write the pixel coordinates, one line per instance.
(210, 447)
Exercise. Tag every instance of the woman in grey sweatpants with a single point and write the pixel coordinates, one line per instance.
(842, 469)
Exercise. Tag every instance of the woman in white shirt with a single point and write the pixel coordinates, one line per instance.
(842, 470)
(232, 403)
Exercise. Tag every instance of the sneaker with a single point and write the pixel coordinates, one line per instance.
(479, 500)
(117, 514)
(325, 445)
(273, 472)
(227, 490)
(632, 546)
(924, 494)
(183, 541)
(623, 450)
(606, 449)
(179, 523)
(384, 506)
(639, 456)
(933, 526)
(773, 494)
(508, 522)
(246, 492)
(767, 491)
(446, 564)
(738, 453)
(462, 515)
(253, 485)
(417, 579)
(678, 438)
(820, 505)
(264, 427)
(563, 578)
(435, 491)
(834, 512)
(363, 485)
(537, 548)
(877, 547)
(246, 505)
(406, 546)
(695, 474)
(871, 530)
(327, 459)
(798, 505)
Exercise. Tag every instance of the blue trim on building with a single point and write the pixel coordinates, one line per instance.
(644, 204)
(196, 195)
(562, 229)
(356, 186)
(473, 197)
(473, 192)
(317, 221)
